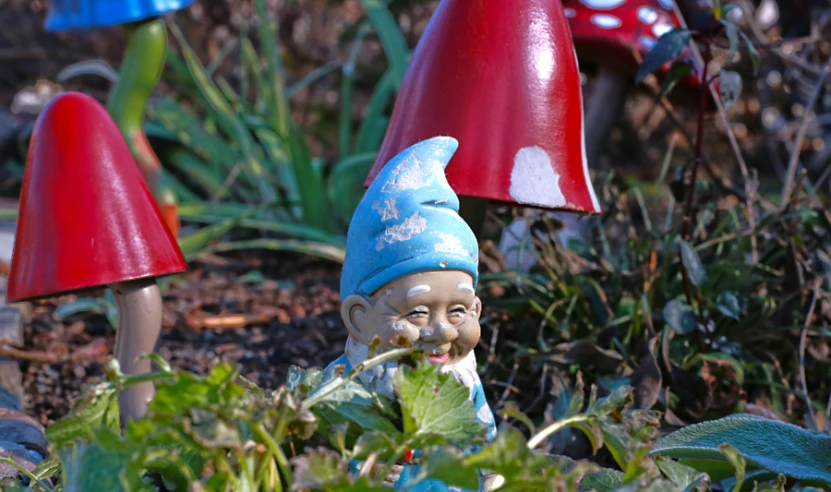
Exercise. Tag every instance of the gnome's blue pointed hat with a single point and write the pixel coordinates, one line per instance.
(408, 222)
(86, 14)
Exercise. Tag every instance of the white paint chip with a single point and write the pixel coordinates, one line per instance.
(466, 288)
(647, 15)
(606, 21)
(387, 210)
(602, 4)
(418, 289)
(533, 180)
(411, 227)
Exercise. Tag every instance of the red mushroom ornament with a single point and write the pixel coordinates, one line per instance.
(502, 79)
(87, 219)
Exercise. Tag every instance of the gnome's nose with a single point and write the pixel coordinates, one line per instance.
(439, 332)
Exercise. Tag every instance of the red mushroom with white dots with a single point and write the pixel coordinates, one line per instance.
(502, 79)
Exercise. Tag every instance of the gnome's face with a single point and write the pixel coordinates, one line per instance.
(437, 311)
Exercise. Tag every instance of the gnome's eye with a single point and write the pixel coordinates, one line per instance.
(459, 311)
(417, 313)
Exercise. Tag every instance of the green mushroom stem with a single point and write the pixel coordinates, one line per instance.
(139, 305)
(140, 71)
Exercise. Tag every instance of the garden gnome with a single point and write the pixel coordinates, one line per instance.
(411, 270)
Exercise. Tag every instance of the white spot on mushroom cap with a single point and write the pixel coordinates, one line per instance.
(533, 180)
(648, 42)
(412, 226)
(570, 13)
(606, 21)
(602, 4)
(418, 289)
(667, 4)
(661, 28)
(647, 15)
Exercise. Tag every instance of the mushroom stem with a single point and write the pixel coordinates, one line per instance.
(140, 71)
(603, 110)
(139, 324)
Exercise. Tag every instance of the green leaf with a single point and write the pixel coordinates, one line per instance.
(737, 460)
(729, 304)
(732, 32)
(318, 467)
(606, 480)
(682, 475)
(189, 392)
(375, 442)
(773, 445)
(193, 243)
(679, 315)
(351, 402)
(668, 47)
(395, 46)
(435, 403)
(677, 71)
(754, 54)
(311, 248)
(695, 270)
(447, 465)
(89, 466)
(96, 407)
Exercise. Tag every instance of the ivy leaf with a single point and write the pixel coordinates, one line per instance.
(798, 453)
(374, 442)
(96, 407)
(509, 456)
(189, 391)
(730, 87)
(447, 465)
(668, 47)
(695, 270)
(91, 466)
(680, 317)
(318, 467)
(677, 71)
(435, 403)
(353, 403)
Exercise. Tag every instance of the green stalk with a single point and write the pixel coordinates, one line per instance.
(140, 71)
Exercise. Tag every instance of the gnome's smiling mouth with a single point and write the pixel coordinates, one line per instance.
(439, 359)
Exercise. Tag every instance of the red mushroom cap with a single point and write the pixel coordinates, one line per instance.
(86, 218)
(502, 79)
(611, 31)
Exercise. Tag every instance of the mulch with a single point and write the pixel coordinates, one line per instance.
(265, 313)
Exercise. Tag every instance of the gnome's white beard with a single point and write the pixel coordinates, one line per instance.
(380, 378)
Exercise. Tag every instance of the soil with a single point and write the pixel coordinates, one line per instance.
(207, 318)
